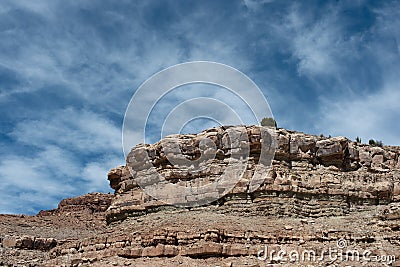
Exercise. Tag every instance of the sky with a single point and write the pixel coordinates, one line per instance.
(68, 70)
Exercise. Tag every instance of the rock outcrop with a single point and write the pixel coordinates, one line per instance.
(310, 176)
(29, 240)
(317, 195)
(92, 203)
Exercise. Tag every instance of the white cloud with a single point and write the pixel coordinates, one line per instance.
(30, 202)
(72, 53)
(40, 7)
(30, 181)
(95, 173)
(374, 116)
(73, 151)
(373, 113)
(80, 130)
(255, 5)
(44, 178)
(318, 45)
(21, 172)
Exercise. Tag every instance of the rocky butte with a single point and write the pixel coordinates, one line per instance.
(322, 202)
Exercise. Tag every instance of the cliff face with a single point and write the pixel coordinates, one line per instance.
(310, 176)
(314, 194)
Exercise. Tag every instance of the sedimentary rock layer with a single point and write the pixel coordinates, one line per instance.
(310, 175)
(318, 194)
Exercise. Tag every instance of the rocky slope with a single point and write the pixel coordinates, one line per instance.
(320, 194)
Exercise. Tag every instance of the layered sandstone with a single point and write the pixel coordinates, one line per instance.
(29, 240)
(311, 176)
(318, 193)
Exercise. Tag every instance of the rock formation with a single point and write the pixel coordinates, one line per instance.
(311, 176)
(319, 194)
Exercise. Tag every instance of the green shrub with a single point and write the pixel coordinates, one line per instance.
(268, 122)
(373, 142)
(378, 143)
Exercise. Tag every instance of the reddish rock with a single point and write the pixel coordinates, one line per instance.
(318, 191)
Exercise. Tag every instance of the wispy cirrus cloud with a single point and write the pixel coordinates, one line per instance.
(366, 117)
(63, 153)
(73, 129)
(371, 112)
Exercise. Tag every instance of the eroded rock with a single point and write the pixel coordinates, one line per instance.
(309, 176)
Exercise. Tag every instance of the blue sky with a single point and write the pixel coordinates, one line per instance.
(69, 68)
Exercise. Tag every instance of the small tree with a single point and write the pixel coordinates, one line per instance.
(378, 143)
(268, 122)
(371, 142)
(358, 139)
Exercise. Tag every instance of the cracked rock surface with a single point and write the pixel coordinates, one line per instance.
(319, 194)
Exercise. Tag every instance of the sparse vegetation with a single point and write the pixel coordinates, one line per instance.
(373, 142)
(379, 143)
(268, 122)
(358, 139)
(323, 136)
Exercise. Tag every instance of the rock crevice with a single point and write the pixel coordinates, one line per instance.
(309, 175)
